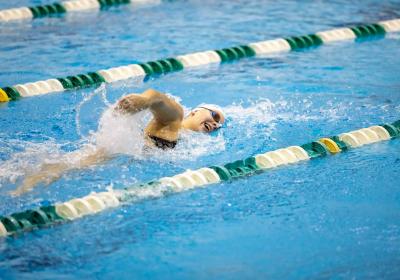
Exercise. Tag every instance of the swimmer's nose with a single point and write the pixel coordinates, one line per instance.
(215, 125)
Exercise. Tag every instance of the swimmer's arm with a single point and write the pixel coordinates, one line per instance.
(164, 109)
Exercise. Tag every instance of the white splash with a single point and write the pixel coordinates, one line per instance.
(102, 93)
(120, 133)
(123, 134)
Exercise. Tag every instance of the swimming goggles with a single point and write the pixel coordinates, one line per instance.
(215, 115)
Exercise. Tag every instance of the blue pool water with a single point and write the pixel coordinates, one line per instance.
(334, 217)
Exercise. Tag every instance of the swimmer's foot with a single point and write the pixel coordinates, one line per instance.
(51, 172)
(28, 184)
(46, 176)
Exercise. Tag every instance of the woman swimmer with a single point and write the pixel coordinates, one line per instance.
(162, 132)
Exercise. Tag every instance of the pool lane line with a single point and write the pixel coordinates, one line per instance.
(155, 68)
(190, 179)
(24, 13)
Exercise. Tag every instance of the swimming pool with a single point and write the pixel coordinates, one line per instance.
(335, 216)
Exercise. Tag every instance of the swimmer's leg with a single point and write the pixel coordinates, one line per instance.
(51, 172)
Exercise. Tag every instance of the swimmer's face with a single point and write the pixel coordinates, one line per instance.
(204, 120)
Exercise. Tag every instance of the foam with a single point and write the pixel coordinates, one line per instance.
(120, 133)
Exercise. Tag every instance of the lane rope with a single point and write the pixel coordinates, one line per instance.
(190, 179)
(159, 67)
(57, 8)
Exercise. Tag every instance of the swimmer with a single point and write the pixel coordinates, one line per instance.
(162, 132)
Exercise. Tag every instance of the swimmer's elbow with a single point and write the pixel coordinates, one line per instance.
(153, 95)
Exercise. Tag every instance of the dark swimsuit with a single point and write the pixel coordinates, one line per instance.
(162, 143)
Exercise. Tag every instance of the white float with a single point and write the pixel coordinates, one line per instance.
(80, 5)
(210, 174)
(96, 204)
(270, 46)
(381, 132)
(334, 35)
(264, 161)
(300, 153)
(349, 139)
(67, 211)
(16, 14)
(109, 199)
(82, 206)
(391, 25)
(3, 230)
(199, 58)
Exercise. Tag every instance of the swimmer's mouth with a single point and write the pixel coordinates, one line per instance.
(207, 126)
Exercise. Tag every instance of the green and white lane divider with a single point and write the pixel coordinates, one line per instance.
(97, 202)
(63, 7)
(163, 66)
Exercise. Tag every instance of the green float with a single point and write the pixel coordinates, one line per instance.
(396, 124)
(315, 149)
(59, 8)
(66, 83)
(232, 54)
(96, 77)
(11, 224)
(247, 50)
(176, 64)
(379, 29)
(391, 129)
(12, 93)
(224, 57)
(87, 79)
(76, 81)
(147, 69)
(222, 172)
(156, 66)
(35, 12)
(342, 145)
(38, 217)
(292, 43)
(106, 3)
(167, 66)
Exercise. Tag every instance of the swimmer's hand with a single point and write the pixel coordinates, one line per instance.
(134, 102)
(131, 104)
